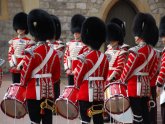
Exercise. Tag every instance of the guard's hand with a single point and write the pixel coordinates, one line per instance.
(68, 72)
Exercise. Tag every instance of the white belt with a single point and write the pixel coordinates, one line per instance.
(95, 78)
(142, 73)
(112, 68)
(42, 75)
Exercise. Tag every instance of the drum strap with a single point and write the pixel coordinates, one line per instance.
(94, 67)
(138, 69)
(46, 59)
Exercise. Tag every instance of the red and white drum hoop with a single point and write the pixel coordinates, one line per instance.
(13, 103)
(116, 98)
(66, 104)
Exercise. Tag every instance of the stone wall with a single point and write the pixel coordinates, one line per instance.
(64, 9)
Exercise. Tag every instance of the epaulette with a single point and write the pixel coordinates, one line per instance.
(82, 57)
(134, 49)
(158, 52)
(125, 46)
(10, 42)
(32, 42)
(30, 51)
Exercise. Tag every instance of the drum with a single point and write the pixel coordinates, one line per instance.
(66, 104)
(13, 103)
(116, 98)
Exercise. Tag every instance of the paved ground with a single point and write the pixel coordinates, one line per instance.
(56, 119)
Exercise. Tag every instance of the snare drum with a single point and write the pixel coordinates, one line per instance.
(116, 98)
(13, 103)
(66, 104)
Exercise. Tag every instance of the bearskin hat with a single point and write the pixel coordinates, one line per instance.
(120, 23)
(57, 26)
(144, 27)
(41, 25)
(76, 23)
(93, 32)
(114, 33)
(155, 36)
(162, 27)
(20, 22)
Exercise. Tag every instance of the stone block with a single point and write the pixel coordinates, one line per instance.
(81, 5)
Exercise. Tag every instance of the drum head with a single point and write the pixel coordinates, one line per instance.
(13, 108)
(117, 104)
(62, 105)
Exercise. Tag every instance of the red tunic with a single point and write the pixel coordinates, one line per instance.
(161, 76)
(89, 60)
(131, 75)
(73, 49)
(117, 58)
(16, 52)
(155, 67)
(41, 86)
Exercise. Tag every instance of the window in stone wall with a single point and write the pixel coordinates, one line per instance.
(4, 10)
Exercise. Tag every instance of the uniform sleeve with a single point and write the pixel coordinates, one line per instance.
(80, 72)
(56, 71)
(28, 67)
(10, 53)
(161, 76)
(66, 54)
(129, 66)
(106, 70)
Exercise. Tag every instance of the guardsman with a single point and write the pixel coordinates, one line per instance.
(136, 73)
(41, 68)
(74, 47)
(17, 45)
(91, 72)
(161, 76)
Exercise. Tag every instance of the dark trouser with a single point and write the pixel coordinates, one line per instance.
(140, 110)
(56, 90)
(84, 106)
(163, 113)
(16, 77)
(70, 79)
(34, 112)
(153, 110)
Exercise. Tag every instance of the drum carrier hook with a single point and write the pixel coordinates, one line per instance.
(91, 111)
(47, 104)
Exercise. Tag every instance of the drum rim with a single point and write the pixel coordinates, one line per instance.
(116, 112)
(114, 83)
(11, 115)
(64, 99)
